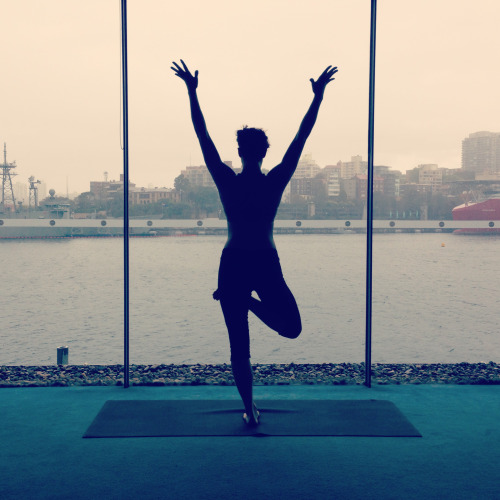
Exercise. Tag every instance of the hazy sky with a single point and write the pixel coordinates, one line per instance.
(438, 80)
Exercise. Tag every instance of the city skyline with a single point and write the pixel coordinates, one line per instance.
(306, 160)
(61, 102)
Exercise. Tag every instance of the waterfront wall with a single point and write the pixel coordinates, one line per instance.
(40, 228)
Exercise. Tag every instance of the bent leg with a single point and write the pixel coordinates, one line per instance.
(278, 309)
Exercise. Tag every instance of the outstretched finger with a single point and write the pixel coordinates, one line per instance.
(330, 75)
(185, 67)
(326, 70)
(178, 69)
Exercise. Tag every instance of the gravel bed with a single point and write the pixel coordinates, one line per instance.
(264, 374)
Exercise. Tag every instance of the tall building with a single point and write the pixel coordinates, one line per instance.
(301, 185)
(42, 190)
(333, 177)
(307, 168)
(362, 186)
(307, 188)
(481, 152)
(348, 169)
(357, 186)
(200, 176)
(380, 169)
(21, 192)
(391, 183)
(301, 188)
(431, 174)
(106, 190)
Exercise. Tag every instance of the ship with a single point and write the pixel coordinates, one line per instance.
(487, 210)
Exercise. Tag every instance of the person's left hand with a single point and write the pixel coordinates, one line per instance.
(190, 80)
(325, 78)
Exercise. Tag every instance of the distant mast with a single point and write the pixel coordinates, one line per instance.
(33, 195)
(8, 198)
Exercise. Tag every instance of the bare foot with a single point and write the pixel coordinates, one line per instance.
(253, 419)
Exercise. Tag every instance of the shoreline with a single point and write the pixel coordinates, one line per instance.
(264, 374)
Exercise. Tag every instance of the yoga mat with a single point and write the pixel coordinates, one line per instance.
(158, 418)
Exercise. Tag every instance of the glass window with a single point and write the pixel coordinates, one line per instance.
(61, 111)
(436, 85)
(254, 69)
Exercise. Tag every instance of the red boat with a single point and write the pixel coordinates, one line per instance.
(484, 210)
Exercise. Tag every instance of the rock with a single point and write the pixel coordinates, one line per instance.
(264, 374)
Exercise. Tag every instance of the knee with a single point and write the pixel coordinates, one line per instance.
(292, 331)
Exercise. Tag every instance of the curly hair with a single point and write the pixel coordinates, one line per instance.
(252, 142)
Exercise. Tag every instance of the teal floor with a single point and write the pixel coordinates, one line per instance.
(43, 455)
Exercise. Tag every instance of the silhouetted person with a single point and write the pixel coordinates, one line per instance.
(249, 260)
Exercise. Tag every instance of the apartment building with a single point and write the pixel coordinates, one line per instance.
(481, 152)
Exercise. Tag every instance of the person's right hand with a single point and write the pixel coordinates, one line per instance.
(190, 80)
(326, 77)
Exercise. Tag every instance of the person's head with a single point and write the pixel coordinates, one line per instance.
(252, 144)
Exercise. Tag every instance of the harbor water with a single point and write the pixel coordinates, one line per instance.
(435, 299)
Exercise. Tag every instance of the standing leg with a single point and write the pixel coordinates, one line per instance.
(234, 294)
(235, 310)
(243, 377)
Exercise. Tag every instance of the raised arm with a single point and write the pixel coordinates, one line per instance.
(210, 153)
(287, 167)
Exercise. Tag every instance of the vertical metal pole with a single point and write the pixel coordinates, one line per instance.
(369, 201)
(125, 198)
